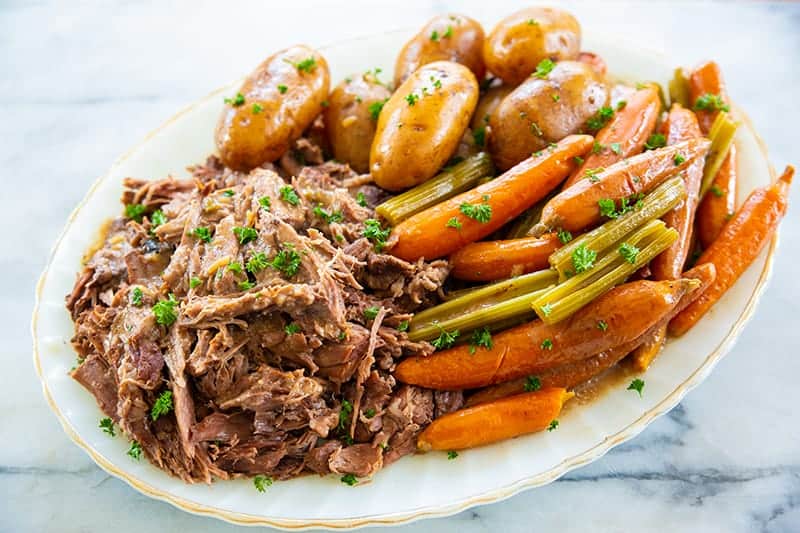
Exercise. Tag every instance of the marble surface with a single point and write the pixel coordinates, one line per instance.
(83, 81)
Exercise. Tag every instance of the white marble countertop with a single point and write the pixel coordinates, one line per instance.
(83, 81)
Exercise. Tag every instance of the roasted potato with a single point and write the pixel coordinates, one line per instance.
(520, 41)
(277, 101)
(544, 110)
(421, 124)
(352, 117)
(487, 103)
(444, 38)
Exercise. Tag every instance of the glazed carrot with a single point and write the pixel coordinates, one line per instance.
(597, 63)
(628, 310)
(495, 421)
(444, 228)
(706, 79)
(493, 260)
(578, 206)
(625, 134)
(681, 125)
(719, 203)
(738, 245)
(647, 351)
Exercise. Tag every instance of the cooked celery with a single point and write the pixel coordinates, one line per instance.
(484, 297)
(722, 131)
(679, 88)
(448, 183)
(551, 308)
(658, 202)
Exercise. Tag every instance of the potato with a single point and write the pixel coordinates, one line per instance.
(487, 103)
(279, 100)
(421, 124)
(544, 110)
(444, 38)
(520, 41)
(352, 116)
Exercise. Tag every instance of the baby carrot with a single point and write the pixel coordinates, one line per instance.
(493, 260)
(625, 134)
(579, 206)
(704, 81)
(494, 421)
(719, 203)
(737, 246)
(627, 311)
(444, 228)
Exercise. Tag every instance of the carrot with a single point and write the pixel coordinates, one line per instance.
(738, 245)
(628, 311)
(444, 228)
(597, 63)
(495, 421)
(625, 134)
(647, 351)
(706, 79)
(578, 206)
(493, 260)
(719, 203)
(681, 125)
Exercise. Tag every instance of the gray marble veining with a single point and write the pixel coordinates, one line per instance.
(80, 82)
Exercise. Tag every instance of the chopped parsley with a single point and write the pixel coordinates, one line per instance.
(532, 22)
(265, 203)
(370, 413)
(637, 385)
(532, 384)
(599, 119)
(329, 218)
(371, 312)
(164, 311)
(446, 338)
(583, 258)
(578, 160)
(555, 97)
(452, 454)
(591, 174)
(135, 211)
(136, 296)
(547, 344)
(246, 285)
(608, 207)
(536, 129)
(162, 406)
(716, 191)
(403, 326)
(194, 282)
(479, 135)
(448, 33)
(135, 451)
(434, 36)
(286, 261)
(306, 65)
(480, 337)
(656, 140)
(597, 147)
(257, 108)
(628, 252)
(234, 267)
(245, 234)
(678, 159)
(453, 223)
(236, 101)
(107, 425)
(324, 103)
(282, 88)
(375, 108)
(564, 236)
(349, 480)
(289, 195)
(257, 262)
(482, 212)
(546, 309)
(375, 233)
(157, 218)
(411, 98)
(621, 105)
(204, 234)
(344, 414)
(361, 199)
(291, 328)
(544, 68)
(261, 483)
(602, 325)
(710, 102)
(553, 425)
(615, 147)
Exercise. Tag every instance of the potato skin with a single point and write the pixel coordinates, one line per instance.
(487, 103)
(530, 118)
(520, 41)
(413, 142)
(458, 39)
(349, 124)
(246, 139)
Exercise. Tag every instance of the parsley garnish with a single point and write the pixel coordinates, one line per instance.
(480, 337)
(261, 483)
(546, 309)
(361, 199)
(306, 65)
(553, 425)
(445, 340)
(621, 105)
(164, 311)
(656, 140)
(257, 262)
(234, 267)
(282, 88)
(265, 203)
(136, 296)
(289, 195)
(135, 451)
(107, 426)
(583, 258)
(336, 216)
(245, 234)
(615, 147)
(637, 385)
(452, 454)
(482, 213)
(344, 414)
(555, 97)
(194, 282)
(544, 68)
(236, 101)
(135, 211)
(291, 328)
(628, 252)
(532, 22)
(369, 413)
(710, 102)
(678, 159)
(246, 285)
(448, 33)
(578, 160)
(564, 236)
(375, 108)
(591, 174)
(411, 98)
(403, 326)
(349, 479)
(257, 108)
(162, 406)
(204, 234)
(479, 135)
(532, 384)
(716, 191)
(376, 234)
(434, 36)
(453, 223)
(602, 325)
(599, 119)
(157, 218)
(597, 147)
(609, 209)
(547, 344)
(287, 261)
(371, 312)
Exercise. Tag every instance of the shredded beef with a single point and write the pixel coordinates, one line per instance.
(274, 356)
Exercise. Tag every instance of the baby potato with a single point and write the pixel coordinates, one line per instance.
(545, 110)
(421, 124)
(520, 41)
(444, 38)
(487, 103)
(276, 102)
(352, 116)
